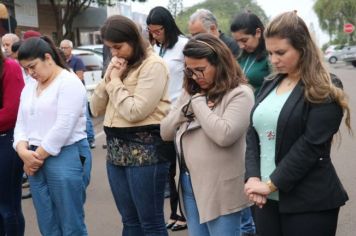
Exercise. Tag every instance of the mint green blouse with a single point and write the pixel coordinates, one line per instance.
(254, 70)
(265, 118)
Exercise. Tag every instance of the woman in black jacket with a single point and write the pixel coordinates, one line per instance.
(289, 172)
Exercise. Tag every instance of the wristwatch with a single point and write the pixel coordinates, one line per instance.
(271, 186)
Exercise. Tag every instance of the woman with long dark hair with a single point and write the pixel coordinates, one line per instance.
(50, 138)
(169, 44)
(133, 96)
(247, 29)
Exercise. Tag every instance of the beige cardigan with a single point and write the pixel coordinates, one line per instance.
(214, 149)
(140, 99)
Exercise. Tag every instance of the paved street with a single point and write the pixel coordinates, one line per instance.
(103, 219)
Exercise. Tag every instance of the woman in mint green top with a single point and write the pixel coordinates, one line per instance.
(247, 29)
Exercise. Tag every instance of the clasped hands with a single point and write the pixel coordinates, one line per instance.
(33, 160)
(116, 67)
(257, 191)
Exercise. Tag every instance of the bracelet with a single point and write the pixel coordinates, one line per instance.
(271, 186)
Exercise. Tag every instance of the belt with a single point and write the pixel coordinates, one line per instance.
(33, 147)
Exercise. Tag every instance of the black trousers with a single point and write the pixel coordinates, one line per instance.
(12, 222)
(270, 222)
(174, 197)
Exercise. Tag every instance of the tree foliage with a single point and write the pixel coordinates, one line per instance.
(66, 10)
(224, 11)
(333, 14)
(175, 7)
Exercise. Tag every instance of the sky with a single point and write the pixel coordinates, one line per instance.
(271, 7)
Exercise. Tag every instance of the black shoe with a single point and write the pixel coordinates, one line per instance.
(26, 195)
(92, 144)
(176, 227)
(170, 225)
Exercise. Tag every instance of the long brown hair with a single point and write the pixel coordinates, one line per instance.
(228, 73)
(120, 29)
(312, 70)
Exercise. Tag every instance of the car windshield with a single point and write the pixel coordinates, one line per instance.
(91, 61)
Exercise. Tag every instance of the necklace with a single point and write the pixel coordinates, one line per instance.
(247, 67)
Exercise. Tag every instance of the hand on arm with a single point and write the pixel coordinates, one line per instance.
(257, 191)
(31, 159)
(42, 154)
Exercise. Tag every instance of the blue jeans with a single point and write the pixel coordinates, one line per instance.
(89, 127)
(227, 225)
(58, 191)
(139, 195)
(12, 222)
(247, 224)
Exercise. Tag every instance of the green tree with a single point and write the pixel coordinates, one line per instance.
(224, 11)
(66, 10)
(175, 7)
(333, 14)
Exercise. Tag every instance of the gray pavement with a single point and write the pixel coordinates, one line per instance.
(102, 217)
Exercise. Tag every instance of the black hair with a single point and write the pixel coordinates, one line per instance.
(248, 23)
(15, 46)
(37, 47)
(161, 16)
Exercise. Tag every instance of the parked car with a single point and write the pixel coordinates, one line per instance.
(334, 53)
(97, 48)
(350, 55)
(93, 69)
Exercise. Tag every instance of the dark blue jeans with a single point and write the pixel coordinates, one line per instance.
(139, 195)
(11, 169)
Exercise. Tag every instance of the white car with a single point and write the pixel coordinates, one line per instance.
(334, 53)
(97, 48)
(93, 68)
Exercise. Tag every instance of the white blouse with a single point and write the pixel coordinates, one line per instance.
(175, 60)
(56, 117)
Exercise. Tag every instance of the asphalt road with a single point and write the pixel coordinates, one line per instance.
(102, 217)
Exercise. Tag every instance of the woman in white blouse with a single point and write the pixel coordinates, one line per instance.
(50, 138)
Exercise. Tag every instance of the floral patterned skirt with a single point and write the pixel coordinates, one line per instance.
(135, 146)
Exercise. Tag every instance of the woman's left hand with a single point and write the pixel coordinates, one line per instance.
(118, 67)
(257, 187)
(258, 199)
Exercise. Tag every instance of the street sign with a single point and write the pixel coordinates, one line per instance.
(349, 28)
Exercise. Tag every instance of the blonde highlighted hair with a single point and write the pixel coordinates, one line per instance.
(312, 70)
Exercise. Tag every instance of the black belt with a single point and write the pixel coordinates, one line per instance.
(33, 147)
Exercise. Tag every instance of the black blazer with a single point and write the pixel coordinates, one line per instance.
(304, 174)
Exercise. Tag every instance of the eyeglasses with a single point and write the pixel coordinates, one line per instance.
(155, 31)
(198, 72)
(64, 48)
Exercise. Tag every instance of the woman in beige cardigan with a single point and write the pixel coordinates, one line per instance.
(209, 124)
(133, 96)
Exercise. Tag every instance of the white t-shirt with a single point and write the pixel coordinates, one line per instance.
(54, 119)
(175, 60)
